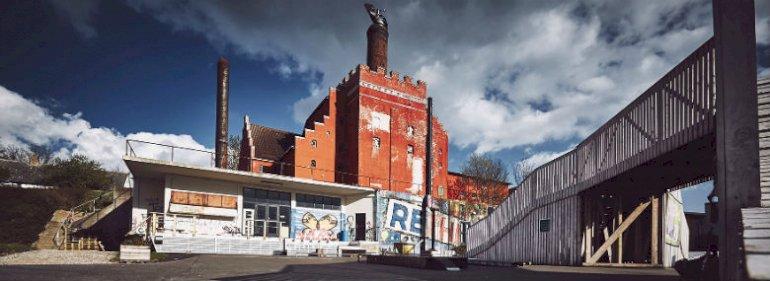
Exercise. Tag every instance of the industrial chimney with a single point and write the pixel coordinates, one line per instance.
(223, 85)
(377, 39)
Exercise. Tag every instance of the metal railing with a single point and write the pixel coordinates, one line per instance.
(205, 158)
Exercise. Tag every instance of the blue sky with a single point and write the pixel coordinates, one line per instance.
(511, 80)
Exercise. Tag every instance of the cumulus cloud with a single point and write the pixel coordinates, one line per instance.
(542, 157)
(25, 122)
(503, 74)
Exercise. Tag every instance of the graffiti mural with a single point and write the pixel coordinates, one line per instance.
(399, 219)
(316, 225)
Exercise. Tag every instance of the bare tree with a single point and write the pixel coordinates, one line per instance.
(485, 184)
(233, 151)
(15, 153)
(521, 170)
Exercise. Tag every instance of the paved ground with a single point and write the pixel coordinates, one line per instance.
(219, 267)
(58, 257)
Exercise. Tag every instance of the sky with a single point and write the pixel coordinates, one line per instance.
(520, 80)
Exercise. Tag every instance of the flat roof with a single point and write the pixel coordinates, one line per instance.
(151, 168)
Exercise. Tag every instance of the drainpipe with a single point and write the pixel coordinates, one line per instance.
(426, 200)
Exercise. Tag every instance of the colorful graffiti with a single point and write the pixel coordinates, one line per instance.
(316, 225)
(399, 217)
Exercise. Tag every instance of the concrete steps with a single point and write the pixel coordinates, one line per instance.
(46, 238)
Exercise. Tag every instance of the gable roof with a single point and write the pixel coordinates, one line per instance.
(270, 143)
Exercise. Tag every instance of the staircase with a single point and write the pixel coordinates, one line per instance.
(47, 237)
(63, 231)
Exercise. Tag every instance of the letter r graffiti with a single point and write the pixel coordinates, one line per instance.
(400, 213)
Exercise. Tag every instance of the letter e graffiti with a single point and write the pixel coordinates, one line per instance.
(400, 213)
(416, 227)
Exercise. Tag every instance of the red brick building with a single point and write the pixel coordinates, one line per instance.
(369, 131)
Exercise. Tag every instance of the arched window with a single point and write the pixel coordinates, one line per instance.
(376, 143)
(313, 143)
(312, 164)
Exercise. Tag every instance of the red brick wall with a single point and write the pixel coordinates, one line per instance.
(383, 106)
(318, 143)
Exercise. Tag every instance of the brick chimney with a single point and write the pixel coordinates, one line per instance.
(223, 85)
(377, 47)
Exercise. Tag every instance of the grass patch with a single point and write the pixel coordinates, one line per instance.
(11, 248)
(158, 257)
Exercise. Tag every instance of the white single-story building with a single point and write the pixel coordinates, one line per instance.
(193, 209)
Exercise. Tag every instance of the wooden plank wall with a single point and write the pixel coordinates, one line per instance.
(677, 109)
(763, 89)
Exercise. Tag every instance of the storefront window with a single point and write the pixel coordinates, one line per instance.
(318, 201)
(253, 195)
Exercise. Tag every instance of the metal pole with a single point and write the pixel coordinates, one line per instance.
(433, 229)
(426, 200)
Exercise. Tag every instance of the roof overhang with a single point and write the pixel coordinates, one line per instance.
(150, 168)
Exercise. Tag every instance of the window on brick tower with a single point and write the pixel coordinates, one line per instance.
(410, 131)
(376, 143)
(314, 143)
(312, 163)
(410, 149)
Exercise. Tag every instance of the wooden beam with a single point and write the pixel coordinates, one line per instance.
(620, 239)
(607, 237)
(587, 229)
(737, 144)
(654, 229)
(623, 226)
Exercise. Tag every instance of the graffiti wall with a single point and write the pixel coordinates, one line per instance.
(676, 232)
(399, 216)
(317, 224)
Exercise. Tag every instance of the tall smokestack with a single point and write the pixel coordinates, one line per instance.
(223, 85)
(377, 39)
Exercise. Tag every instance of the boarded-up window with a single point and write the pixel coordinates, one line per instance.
(203, 199)
(230, 202)
(214, 200)
(179, 197)
(197, 199)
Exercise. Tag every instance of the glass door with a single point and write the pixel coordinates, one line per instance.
(266, 221)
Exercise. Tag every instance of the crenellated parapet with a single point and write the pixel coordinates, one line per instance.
(380, 80)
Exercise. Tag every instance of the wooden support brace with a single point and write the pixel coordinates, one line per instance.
(615, 235)
(654, 230)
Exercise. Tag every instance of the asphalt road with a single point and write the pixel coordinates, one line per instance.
(221, 267)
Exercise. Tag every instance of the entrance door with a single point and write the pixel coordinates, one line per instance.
(248, 222)
(360, 226)
(267, 222)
